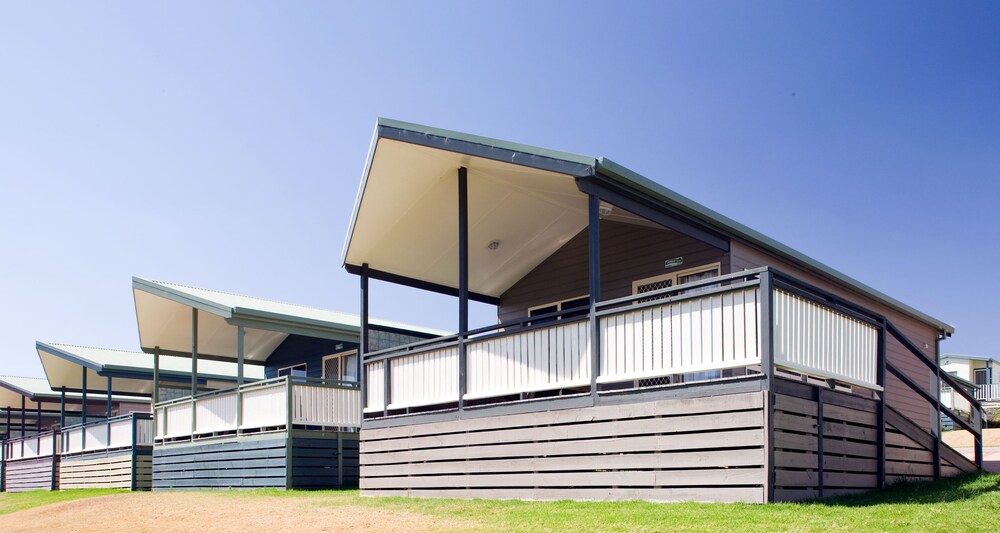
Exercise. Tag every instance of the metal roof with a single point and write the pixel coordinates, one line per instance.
(579, 165)
(12, 388)
(128, 369)
(968, 357)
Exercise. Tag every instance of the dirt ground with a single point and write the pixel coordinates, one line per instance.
(216, 512)
(963, 439)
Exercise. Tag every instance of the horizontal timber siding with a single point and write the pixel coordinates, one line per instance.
(704, 449)
(628, 253)
(319, 459)
(848, 449)
(107, 470)
(41, 473)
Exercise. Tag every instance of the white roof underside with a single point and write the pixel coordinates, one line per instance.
(407, 218)
(13, 388)
(63, 363)
(163, 313)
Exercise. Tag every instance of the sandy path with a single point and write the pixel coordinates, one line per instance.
(215, 512)
(963, 439)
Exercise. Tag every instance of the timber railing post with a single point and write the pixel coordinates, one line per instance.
(594, 268)
(767, 369)
(134, 443)
(937, 407)
(463, 281)
(880, 415)
(977, 423)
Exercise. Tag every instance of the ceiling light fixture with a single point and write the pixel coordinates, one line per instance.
(494, 244)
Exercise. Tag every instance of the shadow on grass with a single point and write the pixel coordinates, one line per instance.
(963, 487)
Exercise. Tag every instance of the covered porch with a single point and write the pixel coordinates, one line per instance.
(617, 304)
(294, 425)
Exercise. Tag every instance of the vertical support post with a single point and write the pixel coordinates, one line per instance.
(62, 406)
(880, 381)
(594, 286)
(819, 438)
(83, 409)
(977, 422)
(240, 334)
(937, 406)
(194, 369)
(134, 474)
(23, 407)
(289, 443)
(463, 279)
(767, 369)
(156, 376)
(107, 417)
(363, 341)
(38, 416)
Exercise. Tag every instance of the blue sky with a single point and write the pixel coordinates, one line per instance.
(221, 144)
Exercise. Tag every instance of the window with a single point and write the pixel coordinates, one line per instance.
(341, 366)
(680, 277)
(580, 304)
(296, 371)
(981, 376)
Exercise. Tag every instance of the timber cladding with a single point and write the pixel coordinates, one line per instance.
(41, 473)
(701, 449)
(318, 459)
(117, 470)
(826, 444)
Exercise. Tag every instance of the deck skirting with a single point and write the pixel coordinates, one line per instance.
(113, 470)
(303, 459)
(702, 449)
(40, 473)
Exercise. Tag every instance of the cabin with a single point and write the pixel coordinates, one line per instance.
(295, 428)
(33, 412)
(645, 346)
(116, 451)
(974, 373)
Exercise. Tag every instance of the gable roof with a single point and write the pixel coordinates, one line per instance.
(13, 388)
(369, 226)
(131, 372)
(164, 317)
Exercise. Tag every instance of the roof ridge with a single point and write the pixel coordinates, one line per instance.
(21, 377)
(271, 300)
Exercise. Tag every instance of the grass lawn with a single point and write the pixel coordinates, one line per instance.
(16, 501)
(967, 503)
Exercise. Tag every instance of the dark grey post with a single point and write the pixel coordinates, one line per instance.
(594, 285)
(463, 278)
(62, 406)
(880, 381)
(194, 368)
(83, 400)
(819, 438)
(937, 407)
(767, 369)
(240, 333)
(363, 344)
(156, 375)
(977, 422)
(194, 351)
(38, 416)
(107, 417)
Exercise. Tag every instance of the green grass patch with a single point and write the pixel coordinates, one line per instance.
(965, 503)
(17, 501)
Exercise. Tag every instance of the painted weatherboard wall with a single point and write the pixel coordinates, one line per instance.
(40, 473)
(298, 349)
(899, 396)
(629, 252)
(702, 449)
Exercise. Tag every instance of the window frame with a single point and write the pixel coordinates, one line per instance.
(305, 370)
(339, 355)
(559, 306)
(673, 276)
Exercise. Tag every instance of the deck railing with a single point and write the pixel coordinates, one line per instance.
(44, 444)
(708, 325)
(989, 392)
(260, 406)
(119, 432)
